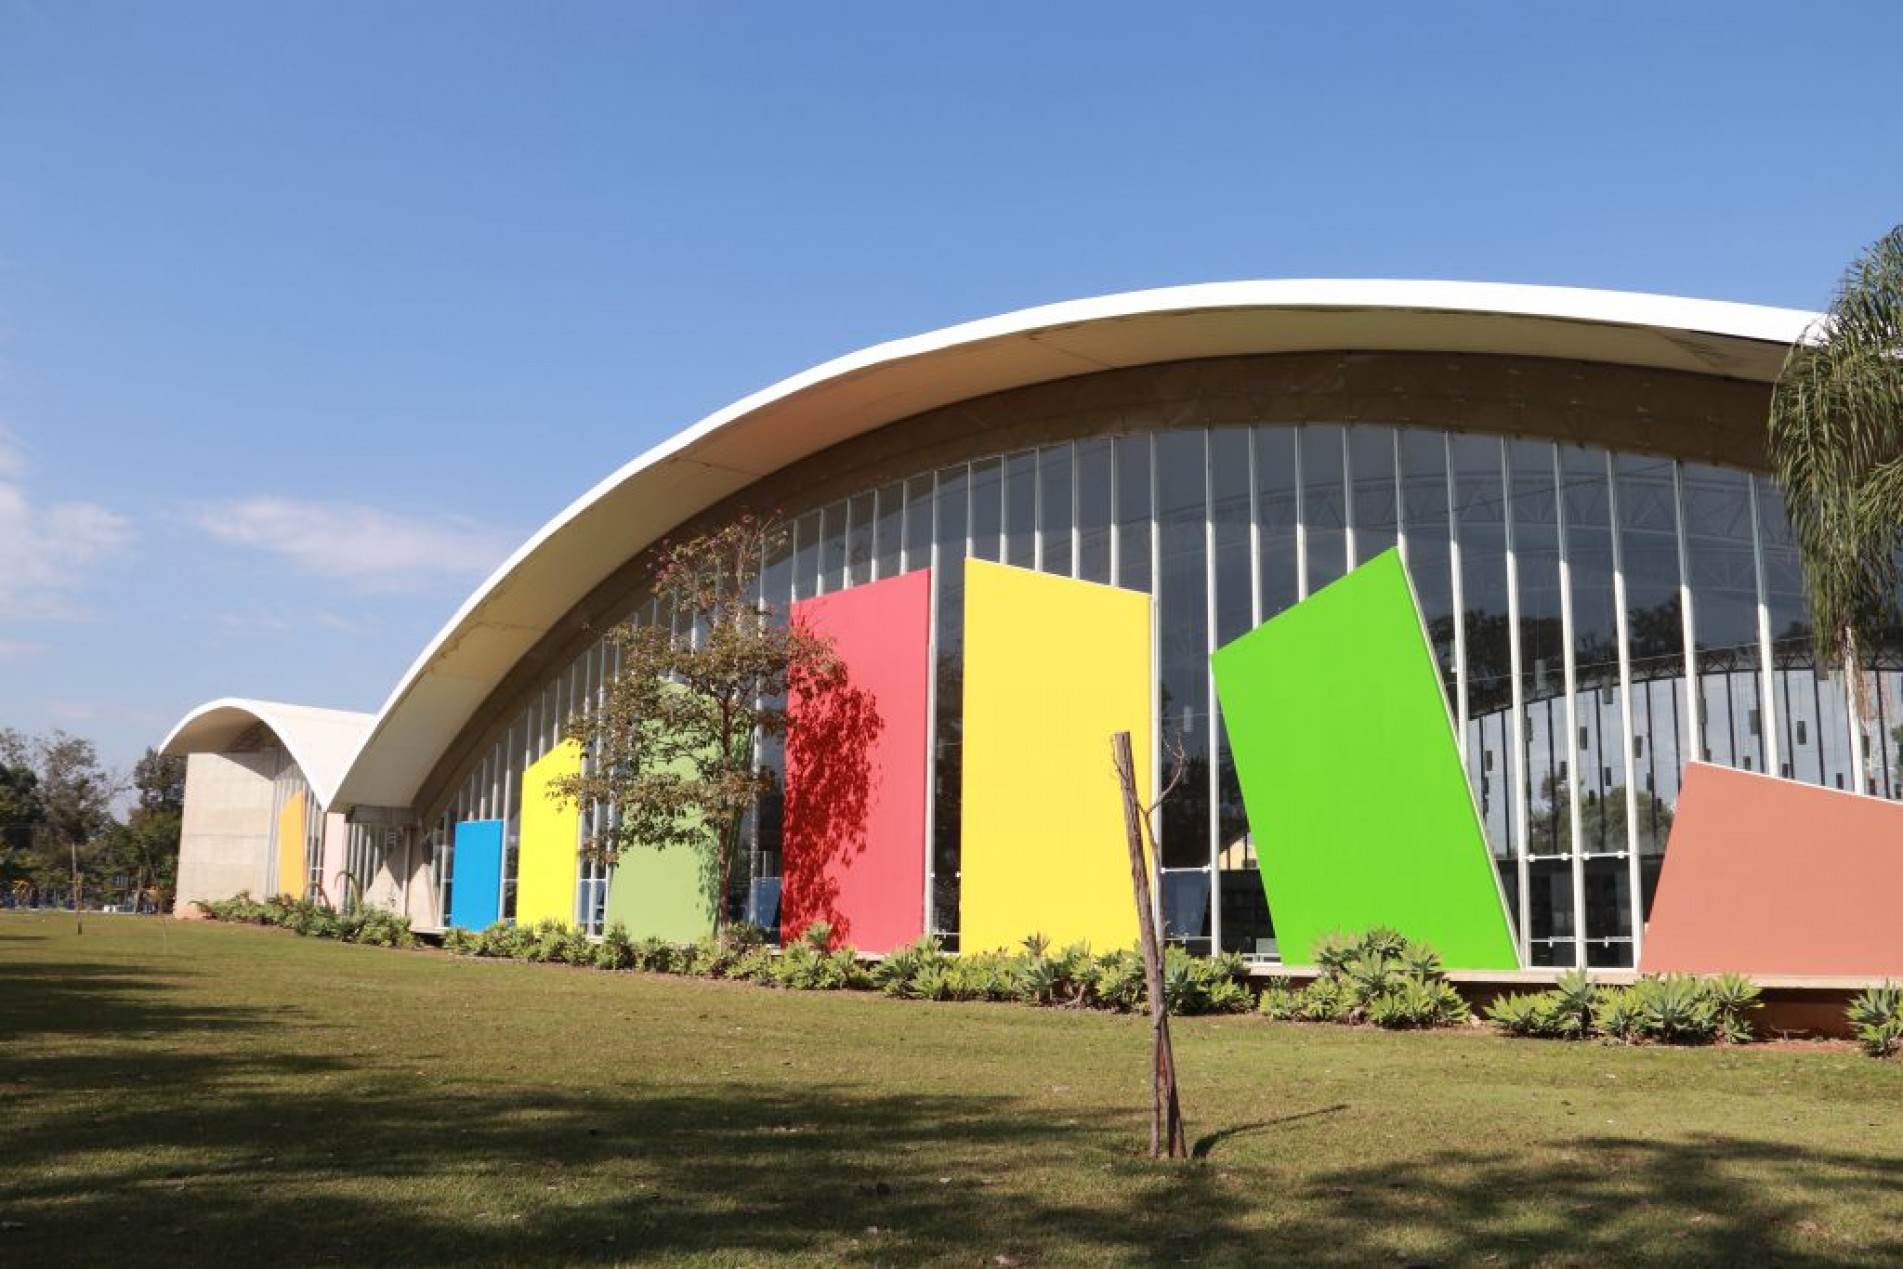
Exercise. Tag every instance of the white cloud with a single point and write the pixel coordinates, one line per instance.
(80, 713)
(48, 552)
(374, 549)
(16, 650)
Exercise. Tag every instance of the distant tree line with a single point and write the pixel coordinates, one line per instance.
(60, 830)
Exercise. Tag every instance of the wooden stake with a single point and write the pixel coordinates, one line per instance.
(1166, 1112)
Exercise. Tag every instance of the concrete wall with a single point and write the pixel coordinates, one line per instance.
(406, 884)
(225, 841)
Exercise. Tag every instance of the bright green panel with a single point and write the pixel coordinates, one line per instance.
(1356, 795)
(664, 893)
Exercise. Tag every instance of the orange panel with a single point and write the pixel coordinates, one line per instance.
(1766, 876)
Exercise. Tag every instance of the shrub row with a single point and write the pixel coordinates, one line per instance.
(1074, 977)
(1380, 978)
(1667, 1009)
(371, 926)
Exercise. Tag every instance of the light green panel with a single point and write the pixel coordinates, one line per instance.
(1357, 798)
(664, 893)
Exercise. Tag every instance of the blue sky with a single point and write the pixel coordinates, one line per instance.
(309, 312)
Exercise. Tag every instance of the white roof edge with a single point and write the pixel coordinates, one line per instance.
(323, 742)
(1722, 318)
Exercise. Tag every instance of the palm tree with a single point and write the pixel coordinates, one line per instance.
(1836, 447)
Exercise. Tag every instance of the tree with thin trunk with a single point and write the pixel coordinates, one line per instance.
(1836, 447)
(671, 746)
(1168, 1135)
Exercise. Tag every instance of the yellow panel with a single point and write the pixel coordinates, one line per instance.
(545, 865)
(293, 874)
(1053, 667)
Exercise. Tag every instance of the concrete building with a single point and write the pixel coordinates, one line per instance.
(1576, 481)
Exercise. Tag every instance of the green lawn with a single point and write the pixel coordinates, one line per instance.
(183, 1092)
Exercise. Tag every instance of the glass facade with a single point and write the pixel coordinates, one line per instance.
(1599, 618)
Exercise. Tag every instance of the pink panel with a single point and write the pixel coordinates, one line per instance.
(1766, 876)
(855, 771)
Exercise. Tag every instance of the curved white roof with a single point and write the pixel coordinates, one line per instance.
(321, 741)
(854, 394)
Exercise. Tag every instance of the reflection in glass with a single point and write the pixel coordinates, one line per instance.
(1020, 510)
(1371, 469)
(1183, 644)
(987, 509)
(887, 530)
(1053, 509)
(1133, 512)
(1424, 522)
(1480, 510)
(1323, 516)
(1277, 501)
(860, 513)
(1093, 510)
(1723, 577)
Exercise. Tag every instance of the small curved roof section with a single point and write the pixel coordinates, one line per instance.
(854, 394)
(321, 741)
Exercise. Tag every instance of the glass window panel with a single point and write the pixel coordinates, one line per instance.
(1186, 909)
(948, 727)
(987, 508)
(860, 513)
(918, 522)
(1794, 684)
(1723, 568)
(887, 527)
(1480, 507)
(1599, 747)
(1229, 511)
(1276, 504)
(1247, 924)
(1648, 546)
(806, 555)
(776, 579)
(1133, 512)
(1549, 886)
(1053, 511)
(1424, 522)
(1093, 510)
(1542, 648)
(1371, 467)
(1608, 913)
(1322, 511)
(1020, 510)
(1183, 654)
(832, 548)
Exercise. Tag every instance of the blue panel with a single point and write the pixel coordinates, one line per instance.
(475, 897)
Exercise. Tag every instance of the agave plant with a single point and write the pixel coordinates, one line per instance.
(1570, 1007)
(1735, 997)
(1280, 1002)
(1877, 1017)
(1333, 952)
(1676, 1009)
(1616, 1014)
